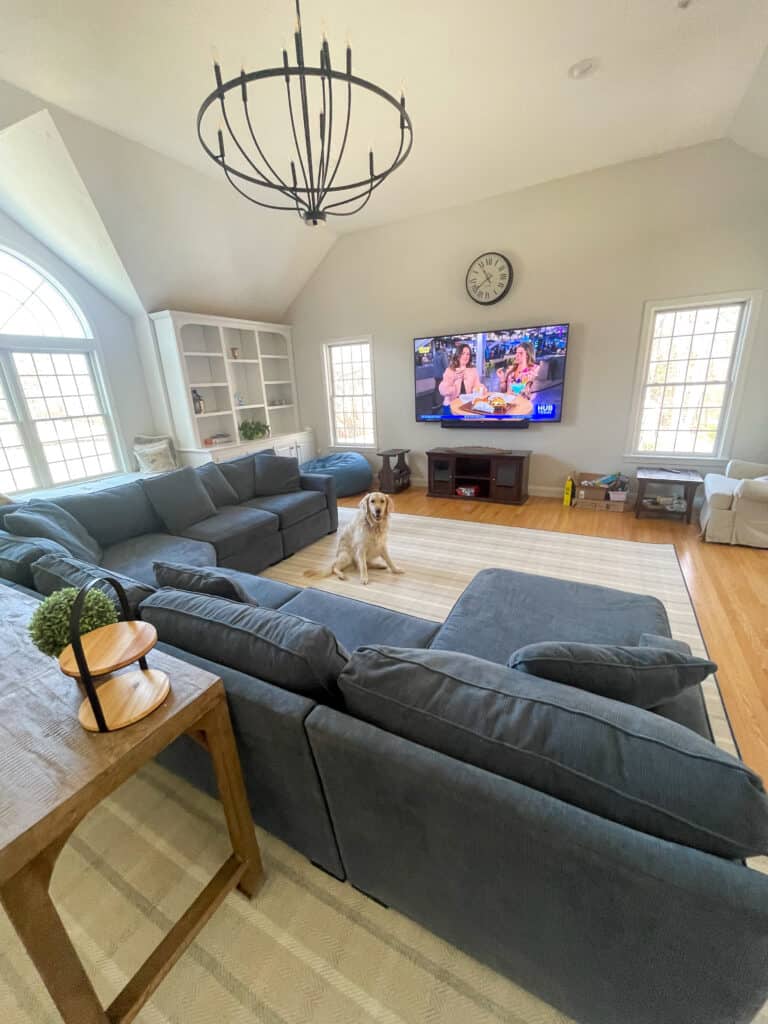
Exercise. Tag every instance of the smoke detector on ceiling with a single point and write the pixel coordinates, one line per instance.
(583, 68)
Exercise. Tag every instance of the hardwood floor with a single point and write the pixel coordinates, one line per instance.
(729, 587)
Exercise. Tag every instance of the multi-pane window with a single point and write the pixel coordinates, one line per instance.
(31, 304)
(15, 469)
(53, 423)
(688, 378)
(350, 393)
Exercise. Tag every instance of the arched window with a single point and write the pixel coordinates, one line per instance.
(32, 304)
(54, 427)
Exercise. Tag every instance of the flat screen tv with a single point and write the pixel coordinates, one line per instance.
(491, 378)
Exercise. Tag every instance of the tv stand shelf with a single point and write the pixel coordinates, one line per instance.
(499, 474)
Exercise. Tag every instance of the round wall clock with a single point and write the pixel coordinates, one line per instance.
(489, 278)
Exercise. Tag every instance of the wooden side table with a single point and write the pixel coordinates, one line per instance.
(54, 773)
(393, 479)
(688, 479)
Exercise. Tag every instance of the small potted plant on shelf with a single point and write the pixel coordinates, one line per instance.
(50, 624)
(250, 430)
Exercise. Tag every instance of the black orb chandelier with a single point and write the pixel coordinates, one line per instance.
(312, 188)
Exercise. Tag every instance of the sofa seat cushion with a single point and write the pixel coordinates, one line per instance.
(18, 555)
(291, 508)
(646, 676)
(282, 649)
(355, 623)
(612, 759)
(533, 608)
(54, 572)
(259, 590)
(45, 519)
(136, 557)
(113, 514)
(179, 498)
(232, 528)
(719, 490)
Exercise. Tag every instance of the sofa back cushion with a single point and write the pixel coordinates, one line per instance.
(646, 676)
(18, 554)
(276, 474)
(114, 514)
(54, 572)
(220, 490)
(45, 519)
(179, 498)
(615, 760)
(241, 476)
(199, 580)
(282, 649)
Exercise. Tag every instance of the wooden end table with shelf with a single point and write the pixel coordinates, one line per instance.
(54, 773)
(688, 479)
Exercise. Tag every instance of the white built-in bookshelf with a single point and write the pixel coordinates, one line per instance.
(219, 372)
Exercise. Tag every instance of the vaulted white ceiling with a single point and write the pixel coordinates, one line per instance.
(487, 86)
(493, 107)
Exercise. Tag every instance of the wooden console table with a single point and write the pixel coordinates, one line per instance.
(689, 479)
(54, 773)
(497, 474)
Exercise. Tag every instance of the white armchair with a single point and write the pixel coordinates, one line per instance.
(735, 509)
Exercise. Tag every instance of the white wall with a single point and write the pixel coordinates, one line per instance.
(589, 249)
(113, 330)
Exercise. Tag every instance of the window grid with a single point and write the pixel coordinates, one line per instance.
(688, 379)
(63, 404)
(350, 383)
(32, 304)
(16, 473)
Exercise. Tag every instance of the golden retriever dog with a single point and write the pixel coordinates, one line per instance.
(364, 539)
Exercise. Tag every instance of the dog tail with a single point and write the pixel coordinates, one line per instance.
(314, 574)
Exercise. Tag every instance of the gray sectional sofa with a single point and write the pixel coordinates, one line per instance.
(592, 850)
(245, 514)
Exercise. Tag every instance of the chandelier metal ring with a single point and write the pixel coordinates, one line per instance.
(312, 180)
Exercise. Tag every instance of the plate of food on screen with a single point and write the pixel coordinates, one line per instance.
(491, 403)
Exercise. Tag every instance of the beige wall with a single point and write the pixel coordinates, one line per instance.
(590, 249)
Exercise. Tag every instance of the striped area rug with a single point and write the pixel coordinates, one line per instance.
(309, 948)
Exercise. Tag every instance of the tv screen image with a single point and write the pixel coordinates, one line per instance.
(492, 376)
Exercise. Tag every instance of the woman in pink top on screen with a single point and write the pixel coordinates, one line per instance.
(522, 371)
(460, 377)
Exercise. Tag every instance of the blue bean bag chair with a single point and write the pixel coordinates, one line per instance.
(351, 471)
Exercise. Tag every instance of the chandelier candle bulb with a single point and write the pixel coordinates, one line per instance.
(217, 73)
(349, 59)
(243, 86)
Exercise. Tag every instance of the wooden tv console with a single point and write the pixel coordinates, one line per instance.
(498, 474)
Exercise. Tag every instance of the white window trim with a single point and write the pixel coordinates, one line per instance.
(751, 300)
(335, 445)
(88, 346)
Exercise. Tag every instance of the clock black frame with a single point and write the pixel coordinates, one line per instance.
(503, 295)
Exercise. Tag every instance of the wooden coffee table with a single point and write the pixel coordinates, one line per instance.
(688, 479)
(54, 772)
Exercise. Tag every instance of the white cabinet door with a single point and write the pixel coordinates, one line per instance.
(286, 448)
(304, 451)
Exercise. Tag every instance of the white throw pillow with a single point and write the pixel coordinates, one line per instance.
(154, 458)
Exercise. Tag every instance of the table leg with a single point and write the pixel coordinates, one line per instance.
(640, 495)
(690, 497)
(220, 741)
(29, 906)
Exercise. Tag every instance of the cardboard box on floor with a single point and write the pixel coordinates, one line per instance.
(596, 498)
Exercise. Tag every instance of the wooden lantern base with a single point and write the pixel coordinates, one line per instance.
(126, 698)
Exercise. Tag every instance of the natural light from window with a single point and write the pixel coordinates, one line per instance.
(688, 381)
(31, 304)
(53, 423)
(350, 387)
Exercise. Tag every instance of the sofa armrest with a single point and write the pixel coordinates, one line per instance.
(740, 470)
(753, 490)
(326, 484)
